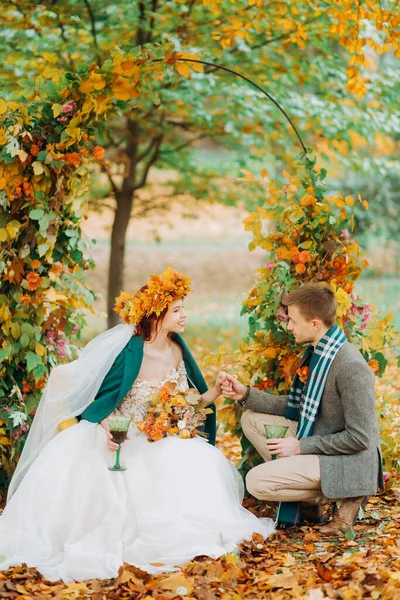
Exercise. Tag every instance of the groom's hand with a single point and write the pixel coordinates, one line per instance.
(232, 388)
(285, 447)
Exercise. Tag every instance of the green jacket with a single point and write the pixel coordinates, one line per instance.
(123, 374)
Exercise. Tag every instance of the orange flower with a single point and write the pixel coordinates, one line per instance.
(99, 153)
(26, 298)
(27, 188)
(164, 393)
(304, 256)
(33, 281)
(26, 388)
(282, 253)
(39, 385)
(348, 286)
(73, 159)
(294, 254)
(34, 150)
(35, 264)
(300, 268)
(373, 365)
(302, 372)
(56, 269)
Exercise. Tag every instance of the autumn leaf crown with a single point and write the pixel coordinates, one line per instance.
(152, 298)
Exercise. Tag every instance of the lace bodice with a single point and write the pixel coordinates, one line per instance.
(135, 402)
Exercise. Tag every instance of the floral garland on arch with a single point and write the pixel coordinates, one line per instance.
(311, 241)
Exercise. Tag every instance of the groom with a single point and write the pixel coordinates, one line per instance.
(331, 448)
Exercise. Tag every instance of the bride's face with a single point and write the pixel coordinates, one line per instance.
(174, 320)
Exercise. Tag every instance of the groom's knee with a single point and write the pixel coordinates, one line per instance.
(258, 487)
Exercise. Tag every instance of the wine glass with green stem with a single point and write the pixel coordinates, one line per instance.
(119, 426)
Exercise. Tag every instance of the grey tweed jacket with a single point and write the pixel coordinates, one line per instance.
(345, 435)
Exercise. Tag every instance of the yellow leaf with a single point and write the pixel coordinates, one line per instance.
(5, 441)
(3, 106)
(306, 245)
(53, 296)
(183, 69)
(13, 228)
(248, 176)
(51, 58)
(3, 234)
(15, 330)
(98, 81)
(344, 302)
(296, 213)
(56, 108)
(22, 155)
(228, 415)
(38, 168)
(51, 72)
(39, 349)
(124, 89)
(86, 87)
(270, 352)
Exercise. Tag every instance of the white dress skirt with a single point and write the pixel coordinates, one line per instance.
(73, 519)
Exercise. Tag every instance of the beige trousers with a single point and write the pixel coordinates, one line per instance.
(292, 479)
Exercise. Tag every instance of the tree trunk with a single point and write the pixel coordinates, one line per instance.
(123, 211)
(117, 256)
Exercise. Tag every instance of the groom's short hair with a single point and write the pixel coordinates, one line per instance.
(314, 301)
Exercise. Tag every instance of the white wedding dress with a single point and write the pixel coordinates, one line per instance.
(74, 519)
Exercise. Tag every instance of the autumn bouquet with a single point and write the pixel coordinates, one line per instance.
(174, 412)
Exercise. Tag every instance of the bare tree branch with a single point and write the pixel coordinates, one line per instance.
(184, 145)
(284, 35)
(149, 164)
(149, 148)
(154, 6)
(92, 23)
(114, 186)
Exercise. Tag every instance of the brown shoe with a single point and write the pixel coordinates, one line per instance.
(344, 517)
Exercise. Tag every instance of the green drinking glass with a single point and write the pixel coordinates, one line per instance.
(275, 432)
(119, 430)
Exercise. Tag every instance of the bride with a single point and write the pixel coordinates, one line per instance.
(74, 519)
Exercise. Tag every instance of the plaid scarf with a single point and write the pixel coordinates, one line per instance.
(304, 399)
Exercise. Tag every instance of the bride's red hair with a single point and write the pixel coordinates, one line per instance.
(146, 325)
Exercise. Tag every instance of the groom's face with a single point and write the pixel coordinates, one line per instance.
(305, 332)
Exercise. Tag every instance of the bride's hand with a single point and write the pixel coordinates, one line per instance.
(223, 381)
(111, 446)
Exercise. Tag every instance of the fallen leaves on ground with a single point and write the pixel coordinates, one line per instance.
(296, 563)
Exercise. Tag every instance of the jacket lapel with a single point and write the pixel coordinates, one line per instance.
(132, 362)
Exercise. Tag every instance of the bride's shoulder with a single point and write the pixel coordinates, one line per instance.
(177, 350)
